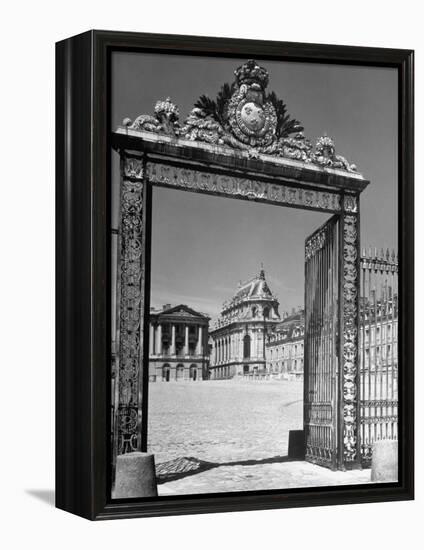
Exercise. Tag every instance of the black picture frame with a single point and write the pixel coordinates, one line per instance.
(83, 72)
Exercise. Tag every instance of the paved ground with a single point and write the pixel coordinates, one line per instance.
(230, 436)
(284, 475)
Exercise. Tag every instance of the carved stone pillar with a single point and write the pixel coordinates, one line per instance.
(130, 306)
(349, 356)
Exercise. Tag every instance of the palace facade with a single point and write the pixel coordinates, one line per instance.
(284, 347)
(178, 344)
(238, 340)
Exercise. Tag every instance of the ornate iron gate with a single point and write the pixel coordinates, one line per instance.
(321, 327)
(378, 349)
(250, 154)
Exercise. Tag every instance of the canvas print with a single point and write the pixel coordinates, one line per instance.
(254, 275)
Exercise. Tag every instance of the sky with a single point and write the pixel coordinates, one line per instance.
(203, 245)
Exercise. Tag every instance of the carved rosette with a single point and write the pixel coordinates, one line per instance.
(350, 337)
(131, 305)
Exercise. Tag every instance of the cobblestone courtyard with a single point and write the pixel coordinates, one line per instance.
(231, 436)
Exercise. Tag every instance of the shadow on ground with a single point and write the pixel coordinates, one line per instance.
(188, 466)
(45, 495)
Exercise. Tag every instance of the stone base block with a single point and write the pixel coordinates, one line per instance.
(297, 444)
(135, 476)
(384, 464)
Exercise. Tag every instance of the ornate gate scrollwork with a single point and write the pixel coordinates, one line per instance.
(350, 339)
(131, 250)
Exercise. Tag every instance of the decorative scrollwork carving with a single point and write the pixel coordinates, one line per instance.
(164, 121)
(131, 301)
(325, 155)
(350, 337)
(127, 429)
(244, 116)
(315, 243)
(350, 203)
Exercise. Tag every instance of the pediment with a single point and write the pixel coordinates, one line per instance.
(184, 311)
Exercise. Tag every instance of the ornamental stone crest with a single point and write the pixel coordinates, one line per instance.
(244, 116)
(252, 116)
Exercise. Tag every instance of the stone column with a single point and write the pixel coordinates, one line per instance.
(185, 352)
(199, 341)
(159, 339)
(173, 351)
(152, 340)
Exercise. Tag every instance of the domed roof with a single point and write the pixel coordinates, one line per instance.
(257, 295)
(255, 288)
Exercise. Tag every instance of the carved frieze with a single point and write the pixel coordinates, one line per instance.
(184, 178)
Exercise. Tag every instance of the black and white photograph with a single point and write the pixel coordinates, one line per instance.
(211, 233)
(254, 294)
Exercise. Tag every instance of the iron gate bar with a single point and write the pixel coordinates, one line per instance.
(379, 291)
(320, 396)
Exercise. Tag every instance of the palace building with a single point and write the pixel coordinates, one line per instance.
(238, 340)
(178, 344)
(284, 346)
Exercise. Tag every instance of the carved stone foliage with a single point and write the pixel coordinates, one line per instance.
(325, 155)
(244, 116)
(131, 301)
(184, 178)
(350, 337)
(164, 121)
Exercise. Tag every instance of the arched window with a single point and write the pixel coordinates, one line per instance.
(193, 372)
(266, 312)
(254, 311)
(246, 346)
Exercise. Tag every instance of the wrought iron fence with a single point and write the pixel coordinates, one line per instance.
(378, 349)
